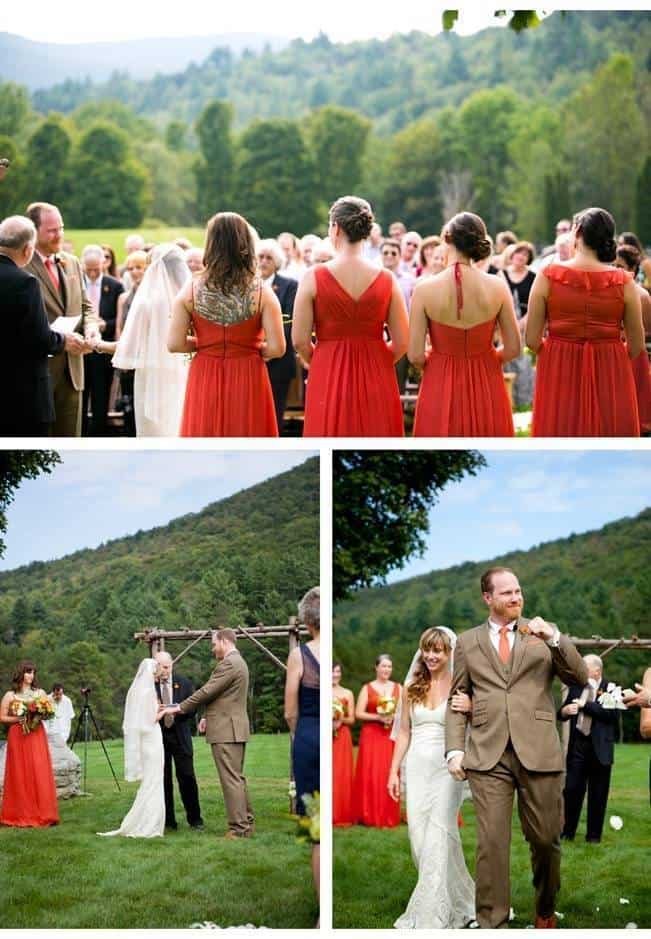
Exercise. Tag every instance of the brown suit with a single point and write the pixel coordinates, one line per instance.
(227, 730)
(67, 370)
(513, 744)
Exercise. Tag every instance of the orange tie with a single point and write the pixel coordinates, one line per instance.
(51, 268)
(503, 649)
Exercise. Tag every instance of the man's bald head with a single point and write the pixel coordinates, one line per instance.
(164, 660)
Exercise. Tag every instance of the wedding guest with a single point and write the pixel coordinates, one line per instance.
(136, 266)
(409, 248)
(109, 262)
(343, 809)
(294, 265)
(352, 389)
(281, 370)
(25, 385)
(194, 259)
(429, 261)
(628, 259)
(103, 292)
(390, 255)
(307, 246)
(397, 230)
(519, 276)
(323, 252)
(63, 713)
(590, 752)
(29, 798)
(61, 281)
(462, 393)
(183, 243)
(583, 305)
(238, 327)
(502, 241)
(372, 803)
(644, 274)
(133, 242)
(372, 250)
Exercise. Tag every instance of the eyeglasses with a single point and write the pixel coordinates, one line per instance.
(411, 244)
(389, 254)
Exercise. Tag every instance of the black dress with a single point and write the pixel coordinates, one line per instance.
(305, 754)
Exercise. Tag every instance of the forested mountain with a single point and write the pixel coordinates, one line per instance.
(43, 64)
(245, 559)
(590, 584)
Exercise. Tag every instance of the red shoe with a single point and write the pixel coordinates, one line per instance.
(545, 922)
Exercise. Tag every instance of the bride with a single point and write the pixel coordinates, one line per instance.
(143, 756)
(444, 897)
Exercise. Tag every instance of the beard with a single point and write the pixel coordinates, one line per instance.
(506, 609)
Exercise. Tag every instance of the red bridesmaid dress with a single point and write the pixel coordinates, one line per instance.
(343, 809)
(228, 393)
(373, 804)
(584, 378)
(352, 390)
(29, 798)
(642, 378)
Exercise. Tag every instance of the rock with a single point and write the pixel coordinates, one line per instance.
(65, 763)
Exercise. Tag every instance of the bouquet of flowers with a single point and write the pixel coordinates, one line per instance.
(612, 698)
(339, 711)
(35, 709)
(386, 706)
(309, 825)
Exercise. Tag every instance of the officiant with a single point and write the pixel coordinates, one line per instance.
(177, 743)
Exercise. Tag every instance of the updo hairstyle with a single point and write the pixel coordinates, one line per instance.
(467, 232)
(354, 216)
(597, 229)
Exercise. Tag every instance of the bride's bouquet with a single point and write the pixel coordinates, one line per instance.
(386, 706)
(34, 709)
(612, 699)
(339, 711)
(309, 825)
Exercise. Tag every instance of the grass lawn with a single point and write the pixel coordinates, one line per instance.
(593, 876)
(68, 877)
(115, 237)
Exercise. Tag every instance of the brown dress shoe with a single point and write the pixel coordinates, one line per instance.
(545, 922)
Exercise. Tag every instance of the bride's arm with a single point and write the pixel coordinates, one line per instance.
(402, 745)
(178, 339)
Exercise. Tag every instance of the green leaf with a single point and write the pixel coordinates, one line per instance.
(449, 19)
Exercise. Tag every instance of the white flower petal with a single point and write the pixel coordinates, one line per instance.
(624, 901)
(616, 822)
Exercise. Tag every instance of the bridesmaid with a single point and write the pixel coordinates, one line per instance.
(29, 798)
(352, 390)
(584, 381)
(373, 804)
(343, 812)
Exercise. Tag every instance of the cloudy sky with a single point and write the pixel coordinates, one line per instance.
(521, 499)
(94, 496)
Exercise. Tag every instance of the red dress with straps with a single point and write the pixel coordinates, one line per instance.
(462, 391)
(373, 804)
(343, 808)
(352, 390)
(584, 378)
(29, 798)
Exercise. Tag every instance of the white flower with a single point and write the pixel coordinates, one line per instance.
(624, 901)
(616, 822)
(631, 925)
(559, 915)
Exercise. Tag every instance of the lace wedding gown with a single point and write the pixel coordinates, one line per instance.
(444, 897)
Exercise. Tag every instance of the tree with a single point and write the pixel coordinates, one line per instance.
(381, 501)
(14, 108)
(337, 138)
(175, 136)
(275, 178)
(643, 203)
(214, 168)
(16, 465)
(411, 190)
(48, 152)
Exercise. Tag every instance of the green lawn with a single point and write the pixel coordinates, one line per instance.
(115, 237)
(592, 875)
(68, 877)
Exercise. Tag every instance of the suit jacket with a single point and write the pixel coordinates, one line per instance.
(25, 388)
(224, 696)
(603, 730)
(510, 701)
(70, 300)
(284, 368)
(181, 729)
(108, 304)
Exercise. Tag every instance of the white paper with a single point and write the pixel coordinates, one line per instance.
(65, 324)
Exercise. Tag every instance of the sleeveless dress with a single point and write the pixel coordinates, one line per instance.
(352, 390)
(373, 804)
(228, 392)
(584, 381)
(462, 392)
(343, 809)
(29, 798)
(444, 897)
(305, 750)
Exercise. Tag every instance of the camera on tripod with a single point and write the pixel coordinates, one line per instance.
(84, 691)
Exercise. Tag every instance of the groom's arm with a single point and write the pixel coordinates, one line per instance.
(568, 664)
(216, 685)
(455, 721)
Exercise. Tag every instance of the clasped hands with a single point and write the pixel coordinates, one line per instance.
(76, 344)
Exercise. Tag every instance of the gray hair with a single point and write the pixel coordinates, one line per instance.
(272, 246)
(16, 232)
(593, 661)
(92, 253)
(163, 655)
(309, 608)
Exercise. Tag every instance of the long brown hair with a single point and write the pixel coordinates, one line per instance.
(432, 639)
(229, 259)
(19, 673)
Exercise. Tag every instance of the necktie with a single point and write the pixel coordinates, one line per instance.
(166, 696)
(92, 291)
(583, 720)
(51, 268)
(503, 649)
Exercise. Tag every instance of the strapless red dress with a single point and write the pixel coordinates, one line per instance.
(373, 804)
(352, 390)
(228, 393)
(584, 378)
(462, 391)
(29, 798)
(642, 378)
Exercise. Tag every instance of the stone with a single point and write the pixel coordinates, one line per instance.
(65, 763)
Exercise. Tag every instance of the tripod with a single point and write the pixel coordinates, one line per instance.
(85, 717)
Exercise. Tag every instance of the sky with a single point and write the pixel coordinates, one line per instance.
(522, 499)
(94, 496)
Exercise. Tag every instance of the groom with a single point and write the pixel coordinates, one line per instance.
(227, 728)
(507, 666)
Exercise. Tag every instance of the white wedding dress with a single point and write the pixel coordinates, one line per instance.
(144, 758)
(444, 897)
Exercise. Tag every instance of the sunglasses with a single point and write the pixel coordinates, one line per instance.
(389, 254)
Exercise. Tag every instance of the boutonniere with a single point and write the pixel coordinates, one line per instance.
(275, 288)
(176, 686)
(524, 630)
(61, 261)
(105, 288)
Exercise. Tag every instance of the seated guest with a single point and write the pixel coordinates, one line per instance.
(590, 752)
(25, 388)
(63, 713)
